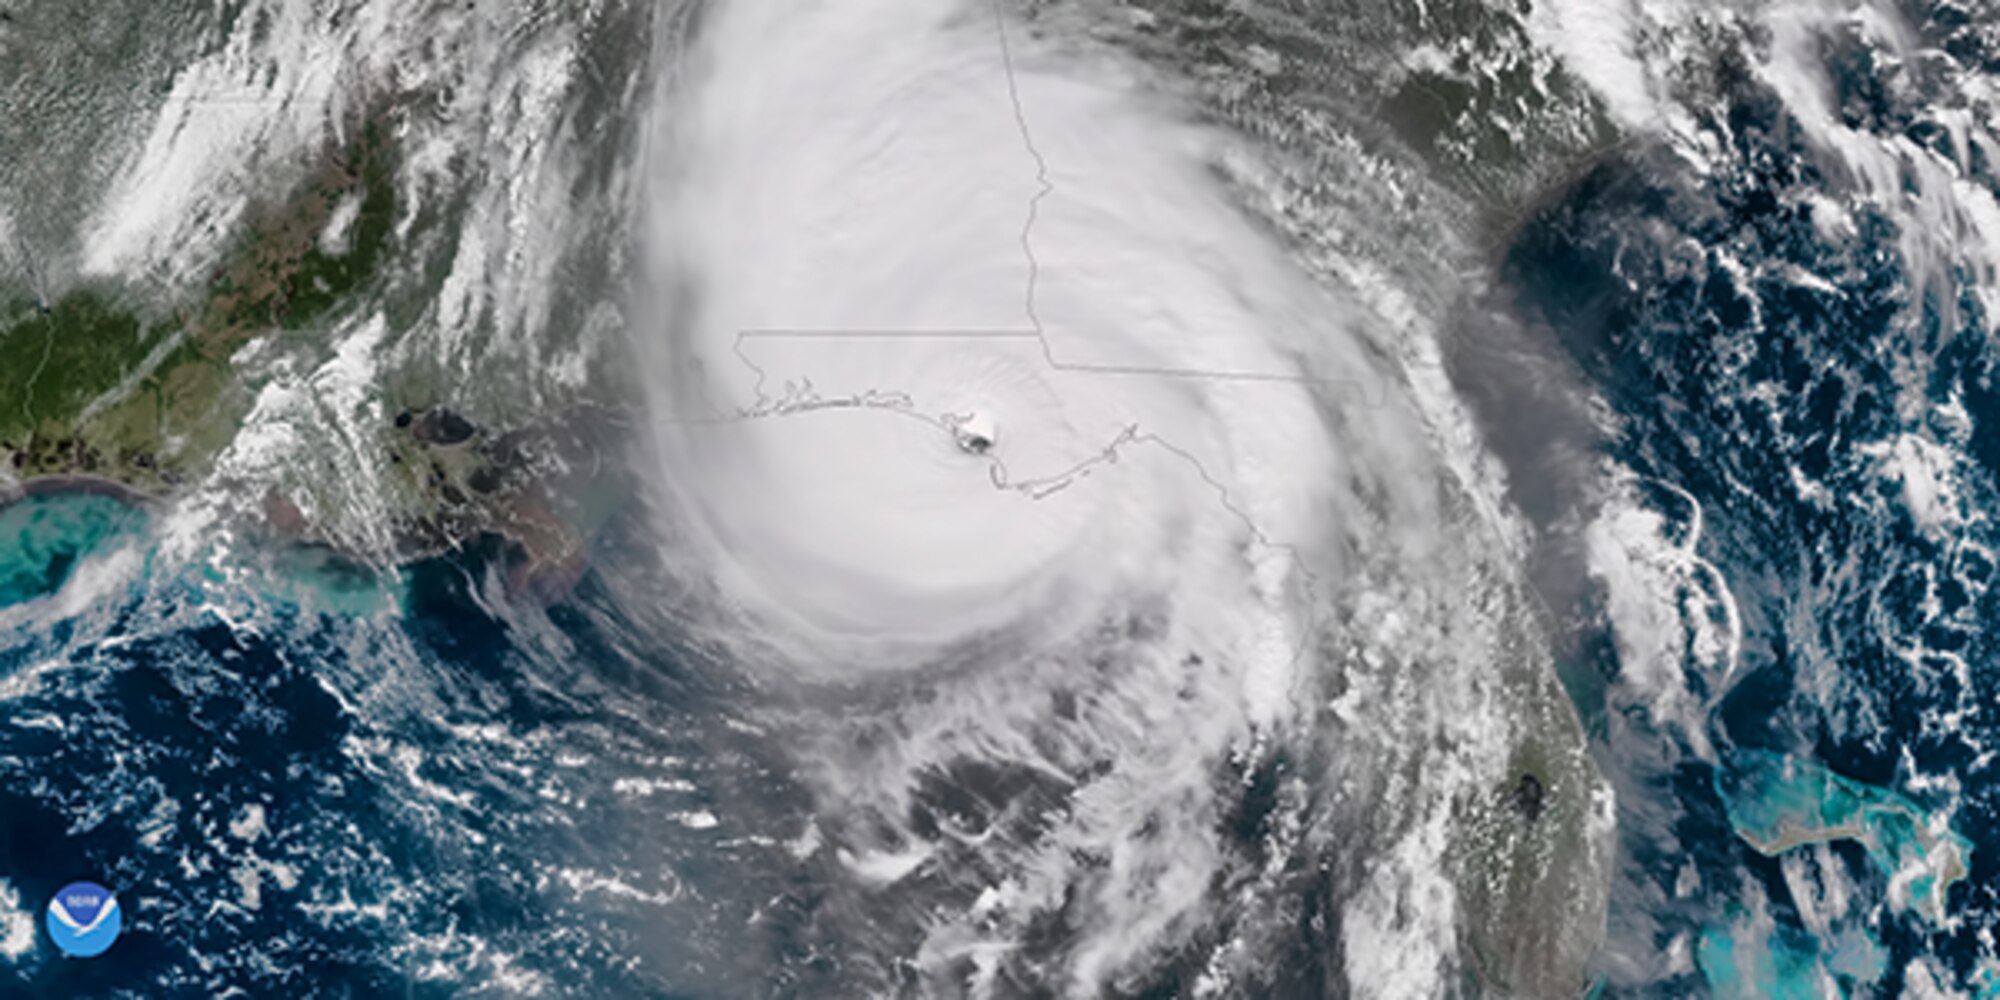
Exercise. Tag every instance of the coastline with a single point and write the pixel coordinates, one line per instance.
(13, 491)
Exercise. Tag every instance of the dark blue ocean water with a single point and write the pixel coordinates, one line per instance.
(323, 779)
(1785, 407)
(432, 798)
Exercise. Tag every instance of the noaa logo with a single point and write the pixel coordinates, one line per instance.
(83, 919)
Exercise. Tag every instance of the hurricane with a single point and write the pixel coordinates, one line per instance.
(1161, 378)
(986, 499)
(1200, 510)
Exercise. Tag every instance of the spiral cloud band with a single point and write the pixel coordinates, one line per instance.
(981, 401)
(862, 281)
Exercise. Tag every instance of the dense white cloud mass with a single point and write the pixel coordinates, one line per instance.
(1207, 507)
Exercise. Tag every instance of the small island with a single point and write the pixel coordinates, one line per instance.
(1777, 803)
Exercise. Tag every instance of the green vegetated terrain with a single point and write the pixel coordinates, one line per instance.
(1484, 113)
(92, 383)
(71, 387)
(285, 278)
(101, 382)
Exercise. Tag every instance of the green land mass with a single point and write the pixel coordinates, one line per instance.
(97, 388)
(94, 384)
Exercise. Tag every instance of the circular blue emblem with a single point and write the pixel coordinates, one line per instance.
(84, 919)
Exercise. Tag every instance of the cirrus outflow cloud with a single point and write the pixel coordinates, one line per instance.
(1210, 526)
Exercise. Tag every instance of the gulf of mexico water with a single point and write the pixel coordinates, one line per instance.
(379, 782)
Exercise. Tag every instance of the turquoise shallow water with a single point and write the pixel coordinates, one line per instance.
(1778, 803)
(1790, 400)
(1781, 964)
(294, 769)
(42, 539)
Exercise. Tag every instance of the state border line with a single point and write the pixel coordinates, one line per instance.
(801, 397)
(1048, 354)
(1308, 580)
